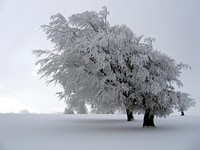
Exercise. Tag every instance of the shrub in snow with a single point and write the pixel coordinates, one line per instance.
(108, 67)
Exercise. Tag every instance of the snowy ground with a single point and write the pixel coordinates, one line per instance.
(96, 132)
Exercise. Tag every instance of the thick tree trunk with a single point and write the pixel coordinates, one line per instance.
(148, 119)
(129, 115)
(182, 113)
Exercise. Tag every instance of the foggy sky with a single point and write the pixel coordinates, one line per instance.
(175, 25)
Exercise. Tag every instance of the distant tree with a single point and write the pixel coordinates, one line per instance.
(68, 111)
(184, 102)
(107, 67)
(24, 111)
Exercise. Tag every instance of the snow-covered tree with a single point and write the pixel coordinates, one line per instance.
(107, 67)
(89, 57)
(158, 89)
(68, 111)
(184, 102)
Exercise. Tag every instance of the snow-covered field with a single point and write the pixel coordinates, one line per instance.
(97, 132)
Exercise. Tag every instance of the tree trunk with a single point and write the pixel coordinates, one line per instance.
(129, 115)
(148, 119)
(182, 113)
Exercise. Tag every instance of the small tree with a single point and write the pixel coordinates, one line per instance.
(68, 111)
(184, 102)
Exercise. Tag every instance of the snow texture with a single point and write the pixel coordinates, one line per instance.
(99, 132)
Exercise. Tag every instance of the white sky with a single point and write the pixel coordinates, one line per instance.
(174, 23)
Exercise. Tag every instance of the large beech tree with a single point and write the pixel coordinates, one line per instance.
(108, 67)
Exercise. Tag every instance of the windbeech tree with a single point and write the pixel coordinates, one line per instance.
(107, 67)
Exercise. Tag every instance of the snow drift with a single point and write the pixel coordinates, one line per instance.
(99, 132)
